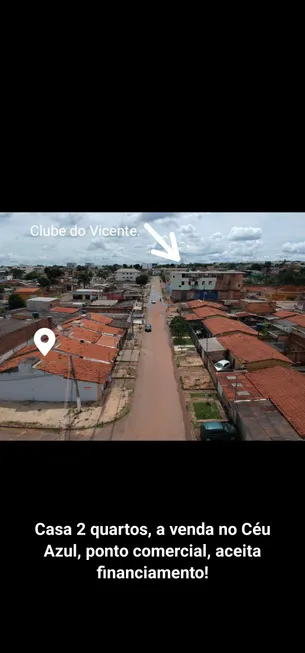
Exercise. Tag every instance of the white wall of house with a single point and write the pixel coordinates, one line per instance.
(29, 384)
(127, 275)
(191, 281)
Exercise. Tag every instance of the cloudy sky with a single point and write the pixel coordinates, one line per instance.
(205, 237)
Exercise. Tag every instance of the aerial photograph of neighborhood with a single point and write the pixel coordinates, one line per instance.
(152, 326)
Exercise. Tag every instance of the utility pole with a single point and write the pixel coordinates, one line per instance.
(78, 401)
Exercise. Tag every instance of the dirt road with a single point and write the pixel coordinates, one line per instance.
(156, 412)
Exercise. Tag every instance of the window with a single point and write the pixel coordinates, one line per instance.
(182, 283)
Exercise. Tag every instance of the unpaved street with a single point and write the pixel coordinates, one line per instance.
(156, 412)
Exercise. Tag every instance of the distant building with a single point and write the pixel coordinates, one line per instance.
(85, 294)
(147, 266)
(71, 266)
(184, 285)
(127, 274)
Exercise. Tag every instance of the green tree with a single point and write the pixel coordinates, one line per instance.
(44, 282)
(31, 275)
(256, 266)
(84, 278)
(142, 279)
(102, 274)
(15, 301)
(178, 327)
(53, 272)
(17, 273)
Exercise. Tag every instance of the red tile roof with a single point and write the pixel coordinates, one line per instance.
(111, 330)
(284, 314)
(195, 303)
(27, 289)
(286, 389)
(62, 309)
(249, 349)
(232, 391)
(84, 334)
(198, 303)
(108, 341)
(218, 325)
(190, 316)
(85, 350)
(58, 363)
(205, 311)
(299, 320)
(11, 363)
(241, 314)
(68, 323)
(89, 324)
(100, 318)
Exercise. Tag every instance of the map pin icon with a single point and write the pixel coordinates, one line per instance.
(44, 347)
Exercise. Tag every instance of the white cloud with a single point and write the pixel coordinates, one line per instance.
(294, 248)
(245, 249)
(200, 236)
(245, 233)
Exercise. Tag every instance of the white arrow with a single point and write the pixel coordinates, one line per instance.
(171, 251)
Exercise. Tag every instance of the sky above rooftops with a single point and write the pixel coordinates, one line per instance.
(201, 237)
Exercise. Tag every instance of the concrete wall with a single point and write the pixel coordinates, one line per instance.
(37, 305)
(34, 385)
(10, 341)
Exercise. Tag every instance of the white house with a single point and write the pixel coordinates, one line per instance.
(127, 274)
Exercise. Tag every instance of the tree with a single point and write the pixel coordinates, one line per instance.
(178, 327)
(31, 275)
(17, 273)
(53, 272)
(142, 279)
(256, 266)
(138, 267)
(15, 301)
(44, 282)
(84, 278)
(102, 274)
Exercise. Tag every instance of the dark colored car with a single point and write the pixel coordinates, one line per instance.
(148, 327)
(218, 431)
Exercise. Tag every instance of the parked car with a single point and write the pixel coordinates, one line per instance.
(148, 327)
(153, 301)
(218, 431)
(222, 365)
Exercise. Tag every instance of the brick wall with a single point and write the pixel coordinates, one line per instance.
(26, 332)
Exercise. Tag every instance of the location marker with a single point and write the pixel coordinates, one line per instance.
(44, 347)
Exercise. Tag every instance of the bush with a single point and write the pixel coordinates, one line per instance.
(178, 327)
(15, 301)
(142, 279)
